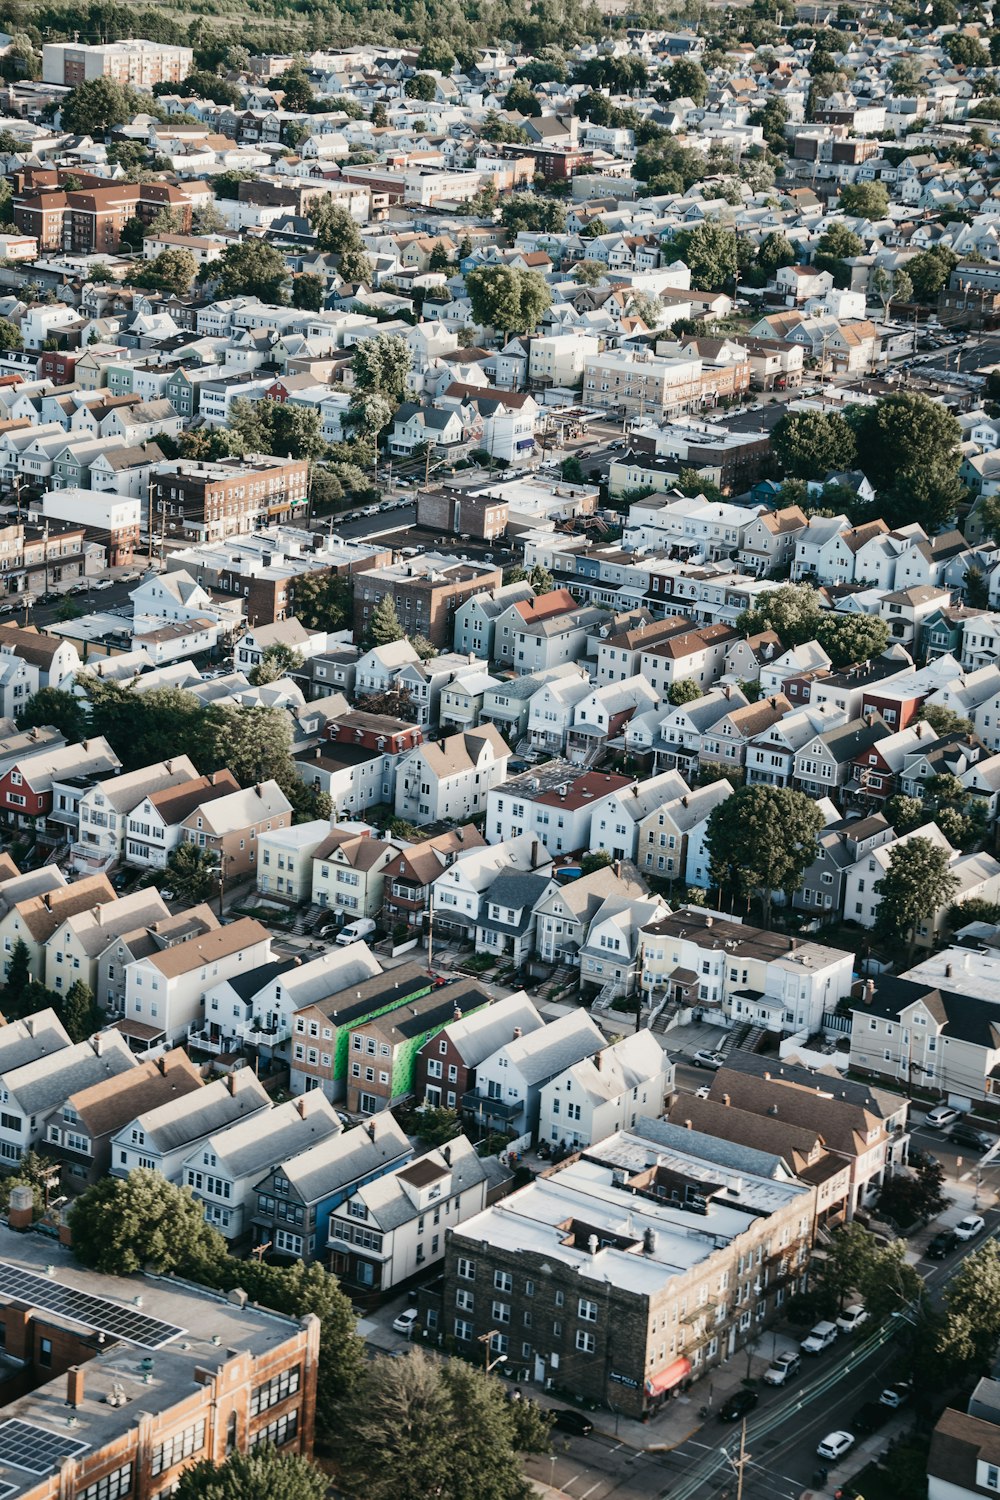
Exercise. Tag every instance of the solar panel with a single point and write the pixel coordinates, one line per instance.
(7, 1489)
(112, 1318)
(35, 1449)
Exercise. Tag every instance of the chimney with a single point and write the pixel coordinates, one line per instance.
(869, 991)
(947, 971)
(75, 1378)
(767, 1078)
(456, 1014)
(231, 1081)
(258, 790)
(162, 1065)
(300, 1105)
(371, 1130)
(517, 1032)
(446, 1153)
(21, 1209)
(534, 853)
(96, 1044)
(726, 1100)
(592, 1243)
(597, 1061)
(709, 921)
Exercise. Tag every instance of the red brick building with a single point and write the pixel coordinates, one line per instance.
(207, 502)
(91, 219)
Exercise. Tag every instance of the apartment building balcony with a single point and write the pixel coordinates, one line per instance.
(91, 858)
(213, 1039)
(491, 1110)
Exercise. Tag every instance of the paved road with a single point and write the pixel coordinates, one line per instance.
(382, 524)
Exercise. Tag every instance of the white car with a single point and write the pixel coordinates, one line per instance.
(819, 1338)
(835, 1444)
(782, 1369)
(404, 1323)
(852, 1318)
(895, 1395)
(969, 1227)
(942, 1115)
(703, 1092)
(705, 1058)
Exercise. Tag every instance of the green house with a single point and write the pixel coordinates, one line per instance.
(383, 1049)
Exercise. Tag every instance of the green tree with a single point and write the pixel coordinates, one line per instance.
(864, 200)
(437, 1126)
(122, 1224)
(976, 586)
(173, 270)
(852, 638)
(687, 80)
(93, 107)
(684, 690)
(904, 813)
(18, 981)
(54, 706)
(10, 335)
(945, 721)
(509, 300)
(521, 99)
(916, 885)
(915, 1195)
(835, 247)
(192, 873)
(711, 254)
(929, 272)
(890, 286)
(274, 427)
(571, 469)
(761, 840)
(227, 184)
(79, 1011)
(307, 292)
(205, 85)
(385, 626)
(774, 252)
(987, 513)
(966, 50)
(589, 272)
(420, 1425)
(967, 1342)
(370, 413)
(791, 611)
(133, 233)
(541, 579)
(809, 444)
(529, 211)
(324, 601)
(911, 453)
(421, 86)
(382, 365)
(276, 662)
(436, 56)
(252, 268)
(255, 744)
(297, 89)
(262, 1474)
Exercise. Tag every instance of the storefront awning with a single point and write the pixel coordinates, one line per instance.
(668, 1378)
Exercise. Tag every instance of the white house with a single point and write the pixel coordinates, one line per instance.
(555, 802)
(166, 990)
(509, 1083)
(163, 1138)
(449, 780)
(608, 1091)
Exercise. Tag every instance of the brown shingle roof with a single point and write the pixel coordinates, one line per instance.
(176, 803)
(106, 1106)
(41, 915)
(209, 948)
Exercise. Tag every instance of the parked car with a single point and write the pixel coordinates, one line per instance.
(943, 1243)
(404, 1323)
(739, 1403)
(362, 927)
(969, 1227)
(782, 1369)
(704, 1058)
(869, 1418)
(568, 1420)
(703, 1092)
(971, 1138)
(819, 1338)
(942, 1115)
(852, 1318)
(895, 1395)
(835, 1444)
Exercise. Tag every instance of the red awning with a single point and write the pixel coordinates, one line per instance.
(668, 1378)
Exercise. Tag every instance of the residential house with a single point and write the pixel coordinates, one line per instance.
(507, 918)
(296, 1198)
(161, 1139)
(555, 802)
(321, 1026)
(552, 704)
(564, 916)
(842, 845)
(384, 1048)
(410, 874)
(671, 838)
(392, 1228)
(451, 779)
(977, 877)
(223, 1169)
(458, 892)
(609, 1091)
(74, 949)
(36, 1091)
(155, 826)
(508, 1088)
(141, 941)
(445, 1067)
(26, 787)
(476, 617)
(284, 864)
(229, 826)
(617, 830)
(33, 919)
(104, 809)
(825, 762)
(348, 873)
(165, 990)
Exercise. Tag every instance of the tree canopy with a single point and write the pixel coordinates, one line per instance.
(507, 299)
(809, 444)
(791, 611)
(911, 454)
(252, 268)
(761, 840)
(124, 1223)
(916, 885)
(382, 364)
(262, 1474)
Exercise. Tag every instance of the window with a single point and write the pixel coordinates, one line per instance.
(109, 1486)
(503, 1281)
(588, 1310)
(275, 1390)
(278, 1432)
(181, 1445)
(501, 1312)
(45, 1353)
(464, 1300)
(467, 1269)
(463, 1330)
(585, 1341)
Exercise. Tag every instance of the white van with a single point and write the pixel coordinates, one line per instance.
(362, 927)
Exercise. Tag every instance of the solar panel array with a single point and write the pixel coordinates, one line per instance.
(112, 1318)
(6, 1489)
(35, 1449)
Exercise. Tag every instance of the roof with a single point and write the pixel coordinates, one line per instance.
(559, 784)
(542, 1054)
(389, 1203)
(241, 809)
(106, 1106)
(351, 1156)
(209, 947)
(47, 1082)
(964, 1017)
(253, 1145)
(175, 803)
(478, 1036)
(959, 1444)
(171, 1126)
(41, 915)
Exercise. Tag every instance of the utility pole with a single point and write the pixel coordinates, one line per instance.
(740, 1463)
(430, 929)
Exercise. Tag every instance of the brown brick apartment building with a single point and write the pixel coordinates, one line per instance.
(460, 514)
(427, 591)
(207, 502)
(155, 1375)
(33, 558)
(91, 219)
(630, 1269)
